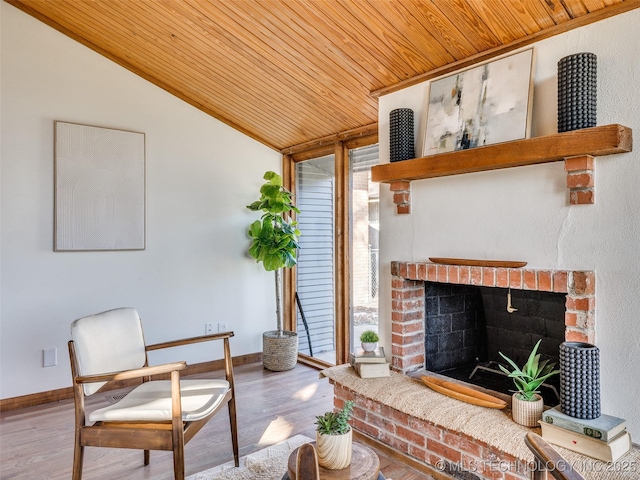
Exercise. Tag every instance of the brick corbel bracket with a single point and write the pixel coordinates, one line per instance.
(401, 196)
(581, 179)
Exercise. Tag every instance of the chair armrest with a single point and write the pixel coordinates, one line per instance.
(549, 459)
(189, 341)
(136, 373)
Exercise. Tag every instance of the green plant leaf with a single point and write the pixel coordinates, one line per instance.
(273, 178)
(532, 375)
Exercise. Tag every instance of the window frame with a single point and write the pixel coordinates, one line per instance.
(338, 145)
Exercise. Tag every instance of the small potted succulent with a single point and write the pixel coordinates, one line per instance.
(527, 405)
(334, 438)
(369, 340)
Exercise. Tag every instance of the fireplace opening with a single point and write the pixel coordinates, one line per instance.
(466, 326)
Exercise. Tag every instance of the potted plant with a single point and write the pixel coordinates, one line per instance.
(369, 340)
(274, 243)
(527, 404)
(334, 438)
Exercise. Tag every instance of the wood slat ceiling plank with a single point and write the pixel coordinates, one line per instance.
(518, 11)
(236, 65)
(254, 84)
(250, 108)
(284, 70)
(140, 72)
(445, 31)
(332, 41)
(499, 20)
(186, 75)
(344, 43)
(413, 36)
(385, 59)
(460, 13)
(575, 8)
(319, 69)
(540, 12)
(556, 11)
(288, 72)
(593, 5)
(379, 26)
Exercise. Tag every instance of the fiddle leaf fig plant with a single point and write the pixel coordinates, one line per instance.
(275, 236)
(532, 374)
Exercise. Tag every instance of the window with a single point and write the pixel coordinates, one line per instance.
(336, 282)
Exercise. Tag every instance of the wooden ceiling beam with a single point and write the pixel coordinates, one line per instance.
(366, 131)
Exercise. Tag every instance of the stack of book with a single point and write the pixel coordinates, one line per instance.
(370, 364)
(605, 438)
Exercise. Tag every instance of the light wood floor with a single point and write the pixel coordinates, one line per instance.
(37, 443)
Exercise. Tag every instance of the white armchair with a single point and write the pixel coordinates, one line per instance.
(156, 415)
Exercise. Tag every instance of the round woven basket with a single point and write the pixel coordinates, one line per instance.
(279, 352)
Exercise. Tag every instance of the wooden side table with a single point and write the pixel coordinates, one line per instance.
(365, 465)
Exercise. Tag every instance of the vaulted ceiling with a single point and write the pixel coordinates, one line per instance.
(288, 72)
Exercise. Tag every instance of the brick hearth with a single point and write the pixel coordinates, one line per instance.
(408, 292)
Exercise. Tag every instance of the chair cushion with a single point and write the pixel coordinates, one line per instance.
(151, 402)
(108, 342)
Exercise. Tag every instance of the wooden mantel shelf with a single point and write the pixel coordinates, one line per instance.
(587, 142)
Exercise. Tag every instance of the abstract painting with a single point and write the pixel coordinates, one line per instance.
(99, 188)
(483, 105)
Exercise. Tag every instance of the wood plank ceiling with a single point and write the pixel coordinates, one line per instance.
(288, 72)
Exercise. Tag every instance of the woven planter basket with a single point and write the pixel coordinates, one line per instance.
(279, 352)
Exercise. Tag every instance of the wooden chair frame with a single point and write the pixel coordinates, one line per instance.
(170, 435)
(547, 459)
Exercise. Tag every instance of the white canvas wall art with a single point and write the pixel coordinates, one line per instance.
(99, 188)
(483, 105)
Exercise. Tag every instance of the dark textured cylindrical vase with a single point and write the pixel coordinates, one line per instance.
(580, 380)
(401, 134)
(577, 92)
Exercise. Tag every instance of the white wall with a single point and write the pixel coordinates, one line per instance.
(524, 214)
(200, 176)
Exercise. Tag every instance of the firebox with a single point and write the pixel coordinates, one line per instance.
(466, 326)
(453, 319)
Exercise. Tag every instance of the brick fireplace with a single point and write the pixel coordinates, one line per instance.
(419, 431)
(408, 301)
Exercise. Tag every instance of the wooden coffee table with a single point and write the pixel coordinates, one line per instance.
(365, 465)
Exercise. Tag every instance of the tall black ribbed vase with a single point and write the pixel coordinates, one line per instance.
(401, 134)
(577, 92)
(580, 380)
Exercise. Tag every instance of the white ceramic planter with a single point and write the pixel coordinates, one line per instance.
(526, 413)
(334, 451)
(369, 346)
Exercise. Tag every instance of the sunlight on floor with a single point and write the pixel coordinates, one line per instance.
(306, 393)
(277, 431)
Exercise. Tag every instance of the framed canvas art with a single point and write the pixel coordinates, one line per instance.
(99, 188)
(482, 105)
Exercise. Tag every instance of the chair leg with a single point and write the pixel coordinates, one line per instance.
(78, 457)
(234, 430)
(146, 457)
(307, 463)
(178, 452)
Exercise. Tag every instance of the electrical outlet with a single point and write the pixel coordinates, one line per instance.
(208, 328)
(50, 357)
(222, 326)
